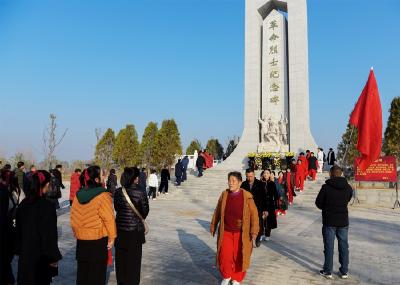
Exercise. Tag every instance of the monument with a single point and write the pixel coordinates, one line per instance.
(276, 111)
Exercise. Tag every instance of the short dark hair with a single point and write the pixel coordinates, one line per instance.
(235, 174)
(58, 166)
(307, 150)
(312, 152)
(143, 168)
(112, 171)
(20, 164)
(78, 170)
(152, 171)
(32, 166)
(249, 170)
(336, 171)
(7, 166)
(301, 153)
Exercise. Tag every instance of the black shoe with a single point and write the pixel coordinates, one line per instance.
(258, 243)
(325, 274)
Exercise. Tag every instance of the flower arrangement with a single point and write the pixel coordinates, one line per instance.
(251, 155)
(269, 159)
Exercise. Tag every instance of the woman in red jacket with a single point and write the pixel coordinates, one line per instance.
(75, 185)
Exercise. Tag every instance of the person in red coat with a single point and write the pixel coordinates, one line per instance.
(300, 174)
(290, 186)
(75, 185)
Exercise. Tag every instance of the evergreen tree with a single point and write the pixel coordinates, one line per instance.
(126, 148)
(231, 146)
(352, 151)
(391, 145)
(215, 148)
(168, 144)
(194, 145)
(104, 150)
(148, 145)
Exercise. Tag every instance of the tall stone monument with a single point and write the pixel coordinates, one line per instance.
(276, 111)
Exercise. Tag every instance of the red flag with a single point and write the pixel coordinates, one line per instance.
(367, 118)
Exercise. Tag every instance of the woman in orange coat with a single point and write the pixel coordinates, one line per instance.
(75, 185)
(236, 217)
(93, 224)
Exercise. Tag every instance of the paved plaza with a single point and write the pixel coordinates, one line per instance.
(180, 250)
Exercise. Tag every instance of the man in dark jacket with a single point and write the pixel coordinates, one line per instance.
(178, 172)
(185, 164)
(143, 179)
(20, 175)
(58, 175)
(331, 157)
(200, 163)
(165, 177)
(332, 199)
(257, 188)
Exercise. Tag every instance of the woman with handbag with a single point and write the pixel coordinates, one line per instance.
(93, 224)
(37, 237)
(132, 207)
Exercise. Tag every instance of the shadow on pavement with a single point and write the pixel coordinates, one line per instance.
(295, 256)
(203, 257)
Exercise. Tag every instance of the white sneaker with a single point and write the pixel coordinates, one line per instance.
(235, 282)
(267, 238)
(167, 193)
(154, 199)
(226, 281)
(262, 238)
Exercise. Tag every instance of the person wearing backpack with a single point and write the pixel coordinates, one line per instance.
(54, 192)
(132, 207)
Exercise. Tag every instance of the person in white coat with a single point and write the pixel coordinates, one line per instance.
(320, 157)
(153, 184)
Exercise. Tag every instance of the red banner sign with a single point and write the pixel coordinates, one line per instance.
(383, 169)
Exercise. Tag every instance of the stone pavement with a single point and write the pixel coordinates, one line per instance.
(180, 250)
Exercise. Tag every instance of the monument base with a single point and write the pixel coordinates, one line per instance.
(271, 147)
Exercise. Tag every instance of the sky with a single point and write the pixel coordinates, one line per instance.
(105, 63)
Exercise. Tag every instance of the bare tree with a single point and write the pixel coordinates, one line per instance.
(99, 134)
(50, 140)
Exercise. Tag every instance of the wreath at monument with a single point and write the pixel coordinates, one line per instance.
(270, 160)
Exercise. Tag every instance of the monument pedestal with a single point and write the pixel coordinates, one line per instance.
(271, 147)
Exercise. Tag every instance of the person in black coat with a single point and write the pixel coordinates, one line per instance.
(130, 228)
(6, 239)
(333, 199)
(143, 179)
(272, 203)
(37, 237)
(112, 182)
(257, 188)
(165, 177)
(178, 172)
(200, 163)
(185, 165)
(331, 157)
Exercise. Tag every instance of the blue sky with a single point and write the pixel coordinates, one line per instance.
(100, 64)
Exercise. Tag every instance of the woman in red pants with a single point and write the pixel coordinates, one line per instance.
(236, 217)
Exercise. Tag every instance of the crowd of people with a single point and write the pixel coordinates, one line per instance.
(106, 215)
(246, 213)
(103, 216)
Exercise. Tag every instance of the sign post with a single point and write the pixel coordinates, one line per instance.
(384, 169)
